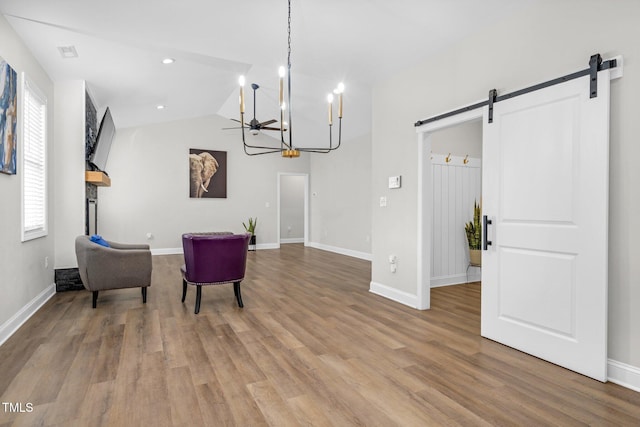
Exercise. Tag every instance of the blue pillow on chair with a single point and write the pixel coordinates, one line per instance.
(99, 240)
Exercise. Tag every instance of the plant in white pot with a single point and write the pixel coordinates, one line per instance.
(473, 230)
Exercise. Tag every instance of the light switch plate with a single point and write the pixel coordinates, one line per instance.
(395, 181)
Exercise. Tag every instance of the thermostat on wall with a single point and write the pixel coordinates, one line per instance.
(394, 181)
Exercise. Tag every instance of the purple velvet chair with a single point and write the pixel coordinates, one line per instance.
(213, 259)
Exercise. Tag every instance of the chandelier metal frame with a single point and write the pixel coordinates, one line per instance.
(287, 147)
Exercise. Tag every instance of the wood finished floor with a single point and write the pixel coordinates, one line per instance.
(311, 347)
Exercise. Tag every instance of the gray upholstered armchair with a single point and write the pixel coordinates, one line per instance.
(115, 267)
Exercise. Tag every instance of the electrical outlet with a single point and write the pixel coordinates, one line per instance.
(393, 263)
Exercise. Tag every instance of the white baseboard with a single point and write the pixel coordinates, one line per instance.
(166, 251)
(261, 246)
(292, 240)
(394, 294)
(178, 251)
(9, 327)
(348, 252)
(455, 279)
(622, 374)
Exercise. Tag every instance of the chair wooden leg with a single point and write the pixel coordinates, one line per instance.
(184, 289)
(144, 294)
(95, 298)
(236, 290)
(198, 298)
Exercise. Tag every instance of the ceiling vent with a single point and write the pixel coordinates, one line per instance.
(68, 52)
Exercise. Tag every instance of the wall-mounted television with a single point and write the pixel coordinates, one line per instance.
(106, 132)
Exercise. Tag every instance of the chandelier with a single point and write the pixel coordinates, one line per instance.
(287, 147)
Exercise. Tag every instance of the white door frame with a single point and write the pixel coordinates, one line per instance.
(306, 204)
(425, 199)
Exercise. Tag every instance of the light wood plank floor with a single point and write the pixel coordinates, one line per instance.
(311, 347)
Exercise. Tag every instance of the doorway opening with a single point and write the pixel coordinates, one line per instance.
(456, 166)
(293, 208)
(428, 138)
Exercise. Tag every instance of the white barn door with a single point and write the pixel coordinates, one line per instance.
(545, 191)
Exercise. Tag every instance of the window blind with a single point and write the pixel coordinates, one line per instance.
(34, 184)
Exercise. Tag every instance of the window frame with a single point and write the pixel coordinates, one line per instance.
(28, 86)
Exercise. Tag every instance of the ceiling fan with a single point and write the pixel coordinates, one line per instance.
(254, 125)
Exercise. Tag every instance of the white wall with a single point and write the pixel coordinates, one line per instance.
(149, 191)
(508, 56)
(341, 198)
(24, 277)
(460, 140)
(292, 208)
(69, 202)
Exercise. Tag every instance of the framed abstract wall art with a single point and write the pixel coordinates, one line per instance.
(8, 113)
(207, 174)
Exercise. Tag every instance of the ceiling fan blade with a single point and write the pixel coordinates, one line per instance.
(268, 122)
(239, 127)
(235, 120)
(270, 128)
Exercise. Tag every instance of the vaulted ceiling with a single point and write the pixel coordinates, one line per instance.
(121, 43)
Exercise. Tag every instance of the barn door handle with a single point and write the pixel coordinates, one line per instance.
(485, 242)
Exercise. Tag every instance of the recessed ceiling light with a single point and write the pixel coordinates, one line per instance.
(68, 51)
(160, 107)
(167, 61)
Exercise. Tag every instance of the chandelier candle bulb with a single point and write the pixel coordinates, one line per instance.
(281, 74)
(330, 101)
(340, 91)
(241, 82)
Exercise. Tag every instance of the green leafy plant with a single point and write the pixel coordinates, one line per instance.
(473, 229)
(251, 228)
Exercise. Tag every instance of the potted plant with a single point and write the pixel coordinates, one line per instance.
(473, 230)
(251, 228)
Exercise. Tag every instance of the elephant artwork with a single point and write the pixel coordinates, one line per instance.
(203, 166)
